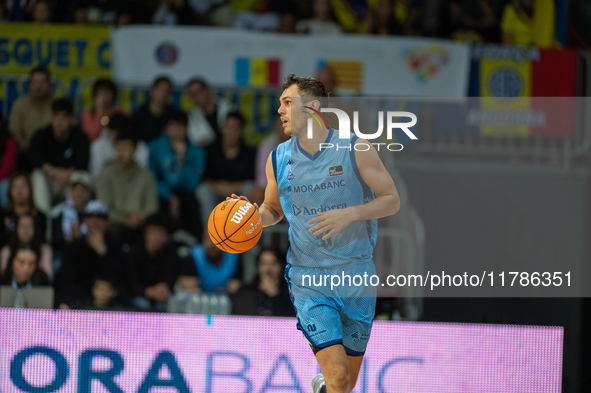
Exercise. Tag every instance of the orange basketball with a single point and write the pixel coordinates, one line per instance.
(235, 226)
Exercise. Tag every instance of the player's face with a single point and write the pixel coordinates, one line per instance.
(290, 111)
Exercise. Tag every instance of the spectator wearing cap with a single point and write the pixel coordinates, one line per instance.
(99, 252)
(31, 112)
(94, 119)
(129, 191)
(149, 118)
(154, 266)
(102, 150)
(207, 113)
(56, 152)
(67, 218)
(178, 166)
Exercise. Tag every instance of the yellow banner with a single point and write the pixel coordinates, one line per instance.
(75, 56)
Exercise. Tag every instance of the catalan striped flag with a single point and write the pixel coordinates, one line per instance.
(349, 73)
(258, 71)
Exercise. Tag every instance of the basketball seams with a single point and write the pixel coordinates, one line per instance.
(240, 227)
(222, 242)
(225, 243)
(228, 216)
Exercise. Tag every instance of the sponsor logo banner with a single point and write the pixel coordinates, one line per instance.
(69, 351)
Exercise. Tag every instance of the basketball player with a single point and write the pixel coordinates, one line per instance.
(332, 200)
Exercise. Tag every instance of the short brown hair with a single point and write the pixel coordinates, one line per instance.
(308, 87)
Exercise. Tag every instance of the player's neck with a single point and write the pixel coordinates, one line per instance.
(312, 145)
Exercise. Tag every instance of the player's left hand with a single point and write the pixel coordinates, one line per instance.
(331, 221)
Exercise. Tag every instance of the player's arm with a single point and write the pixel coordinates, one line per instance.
(375, 175)
(270, 210)
(386, 203)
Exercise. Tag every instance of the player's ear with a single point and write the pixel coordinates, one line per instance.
(315, 104)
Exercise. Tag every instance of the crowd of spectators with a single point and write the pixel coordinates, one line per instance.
(110, 207)
(526, 22)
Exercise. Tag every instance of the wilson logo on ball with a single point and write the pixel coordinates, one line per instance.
(239, 215)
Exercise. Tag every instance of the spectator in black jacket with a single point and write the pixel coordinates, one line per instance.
(155, 266)
(268, 293)
(96, 254)
(230, 166)
(150, 118)
(56, 152)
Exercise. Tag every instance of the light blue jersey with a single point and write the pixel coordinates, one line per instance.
(325, 181)
(308, 184)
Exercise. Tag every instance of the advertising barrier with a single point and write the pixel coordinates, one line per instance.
(367, 65)
(83, 351)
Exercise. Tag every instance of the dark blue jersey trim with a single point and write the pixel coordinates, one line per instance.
(274, 160)
(354, 164)
(351, 352)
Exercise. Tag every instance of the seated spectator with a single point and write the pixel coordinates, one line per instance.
(322, 23)
(287, 23)
(473, 21)
(149, 118)
(20, 201)
(41, 12)
(56, 152)
(529, 22)
(67, 218)
(80, 14)
(173, 12)
(268, 295)
(104, 295)
(155, 266)
(130, 192)
(207, 114)
(102, 11)
(95, 119)
(102, 150)
(23, 270)
(382, 20)
(178, 166)
(31, 112)
(350, 13)
(229, 168)
(8, 154)
(216, 270)
(98, 253)
(265, 148)
(27, 235)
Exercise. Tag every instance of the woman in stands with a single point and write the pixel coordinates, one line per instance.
(26, 235)
(23, 270)
(94, 119)
(20, 201)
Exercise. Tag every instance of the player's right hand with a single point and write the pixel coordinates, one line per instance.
(234, 196)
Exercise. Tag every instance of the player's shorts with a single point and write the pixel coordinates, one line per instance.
(341, 315)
